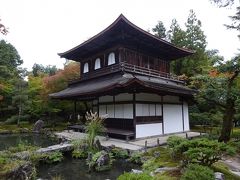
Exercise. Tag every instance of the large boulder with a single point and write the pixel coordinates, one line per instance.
(104, 159)
(219, 176)
(38, 126)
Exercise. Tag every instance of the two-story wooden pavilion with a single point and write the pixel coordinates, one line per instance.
(125, 73)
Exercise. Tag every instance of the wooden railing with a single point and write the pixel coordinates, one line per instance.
(125, 67)
(146, 71)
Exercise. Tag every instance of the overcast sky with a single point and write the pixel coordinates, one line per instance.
(40, 29)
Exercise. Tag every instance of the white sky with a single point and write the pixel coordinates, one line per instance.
(40, 29)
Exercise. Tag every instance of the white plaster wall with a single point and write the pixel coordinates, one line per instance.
(148, 97)
(172, 118)
(171, 99)
(110, 110)
(158, 110)
(144, 130)
(106, 99)
(152, 109)
(186, 116)
(148, 109)
(119, 111)
(128, 111)
(124, 97)
(124, 111)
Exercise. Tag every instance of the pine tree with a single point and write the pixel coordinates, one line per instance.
(159, 30)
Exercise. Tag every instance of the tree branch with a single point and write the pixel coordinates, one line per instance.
(215, 102)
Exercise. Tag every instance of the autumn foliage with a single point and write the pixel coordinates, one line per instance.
(39, 88)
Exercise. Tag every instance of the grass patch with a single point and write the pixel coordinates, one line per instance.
(13, 128)
(170, 175)
(160, 157)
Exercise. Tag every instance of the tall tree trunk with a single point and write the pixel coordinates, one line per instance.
(227, 121)
(229, 111)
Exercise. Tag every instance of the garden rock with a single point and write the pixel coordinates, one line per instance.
(109, 148)
(24, 155)
(23, 172)
(136, 171)
(219, 176)
(156, 154)
(38, 126)
(103, 159)
(97, 144)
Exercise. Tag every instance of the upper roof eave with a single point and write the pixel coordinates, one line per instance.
(124, 19)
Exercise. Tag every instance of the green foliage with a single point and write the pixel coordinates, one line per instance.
(136, 158)
(54, 157)
(57, 177)
(156, 158)
(23, 146)
(119, 153)
(9, 59)
(221, 89)
(235, 145)
(236, 134)
(132, 176)
(202, 151)
(14, 119)
(198, 172)
(192, 38)
(80, 149)
(93, 164)
(39, 69)
(166, 176)
(79, 154)
(159, 30)
(94, 126)
(174, 141)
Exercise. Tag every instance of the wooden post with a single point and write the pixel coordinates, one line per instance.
(158, 143)
(186, 135)
(146, 146)
(134, 114)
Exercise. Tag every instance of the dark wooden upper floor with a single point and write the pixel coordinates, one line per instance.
(125, 60)
(124, 46)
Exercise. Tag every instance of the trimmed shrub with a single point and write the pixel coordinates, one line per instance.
(119, 153)
(136, 158)
(202, 151)
(132, 176)
(198, 172)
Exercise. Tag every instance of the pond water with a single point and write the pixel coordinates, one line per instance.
(10, 140)
(77, 169)
(69, 168)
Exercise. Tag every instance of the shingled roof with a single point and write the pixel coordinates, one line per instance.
(121, 82)
(123, 32)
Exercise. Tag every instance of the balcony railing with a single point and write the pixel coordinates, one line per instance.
(125, 67)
